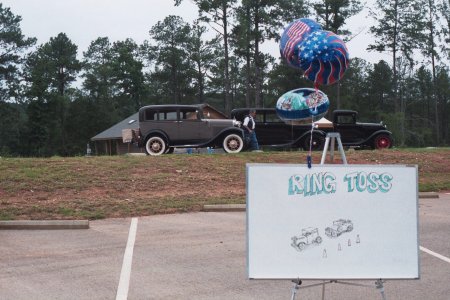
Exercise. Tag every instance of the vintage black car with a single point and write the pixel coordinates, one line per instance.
(164, 127)
(272, 131)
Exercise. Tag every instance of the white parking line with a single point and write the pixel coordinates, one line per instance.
(124, 282)
(446, 259)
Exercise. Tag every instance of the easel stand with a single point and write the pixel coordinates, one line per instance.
(378, 284)
(333, 137)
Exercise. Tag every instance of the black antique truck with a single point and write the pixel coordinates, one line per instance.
(272, 131)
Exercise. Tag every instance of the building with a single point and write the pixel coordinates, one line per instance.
(110, 141)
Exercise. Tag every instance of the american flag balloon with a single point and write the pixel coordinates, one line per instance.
(292, 36)
(323, 57)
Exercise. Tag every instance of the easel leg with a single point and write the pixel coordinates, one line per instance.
(380, 287)
(323, 291)
(297, 282)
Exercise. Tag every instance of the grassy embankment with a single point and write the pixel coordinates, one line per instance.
(123, 186)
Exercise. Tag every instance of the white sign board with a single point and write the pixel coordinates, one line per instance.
(332, 222)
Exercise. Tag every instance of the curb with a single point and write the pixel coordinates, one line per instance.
(242, 207)
(428, 195)
(45, 224)
(224, 207)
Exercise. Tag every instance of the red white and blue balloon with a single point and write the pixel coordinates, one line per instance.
(300, 105)
(323, 57)
(292, 37)
(320, 54)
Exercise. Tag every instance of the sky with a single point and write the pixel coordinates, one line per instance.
(83, 21)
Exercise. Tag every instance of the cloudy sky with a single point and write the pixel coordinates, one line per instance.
(85, 20)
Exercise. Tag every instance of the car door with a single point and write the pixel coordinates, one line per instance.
(350, 131)
(167, 122)
(271, 130)
(191, 129)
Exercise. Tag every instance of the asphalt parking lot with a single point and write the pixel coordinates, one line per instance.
(188, 256)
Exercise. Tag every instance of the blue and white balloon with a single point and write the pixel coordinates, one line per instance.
(303, 105)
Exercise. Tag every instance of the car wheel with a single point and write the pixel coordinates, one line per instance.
(155, 145)
(233, 143)
(318, 142)
(301, 246)
(349, 228)
(318, 240)
(382, 141)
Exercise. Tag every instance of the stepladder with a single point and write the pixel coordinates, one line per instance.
(330, 140)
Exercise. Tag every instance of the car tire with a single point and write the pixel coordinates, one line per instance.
(155, 145)
(233, 143)
(301, 246)
(382, 141)
(318, 142)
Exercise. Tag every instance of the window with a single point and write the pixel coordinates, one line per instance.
(150, 115)
(188, 114)
(259, 118)
(167, 115)
(346, 119)
(272, 117)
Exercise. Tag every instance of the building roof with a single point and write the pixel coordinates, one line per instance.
(115, 132)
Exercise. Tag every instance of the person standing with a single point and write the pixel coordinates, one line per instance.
(249, 129)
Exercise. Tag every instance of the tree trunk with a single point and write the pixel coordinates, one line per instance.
(258, 84)
(434, 95)
(394, 60)
(227, 59)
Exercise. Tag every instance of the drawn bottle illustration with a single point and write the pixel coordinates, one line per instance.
(357, 239)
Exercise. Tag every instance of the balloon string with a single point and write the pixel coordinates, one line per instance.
(308, 157)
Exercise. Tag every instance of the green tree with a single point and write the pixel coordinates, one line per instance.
(173, 69)
(201, 54)
(333, 14)
(13, 46)
(97, 109)
(354, 90)
(442, 88)
(50, 70)
(217, 14)
(444, 9)
(399, 24)
(128, 77)
(12, 128)
(432, 34)
(262, 20)
(381, 86)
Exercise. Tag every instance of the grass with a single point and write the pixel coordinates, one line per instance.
(124, 186)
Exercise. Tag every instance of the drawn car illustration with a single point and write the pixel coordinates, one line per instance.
(339, 227)
(308, 236)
